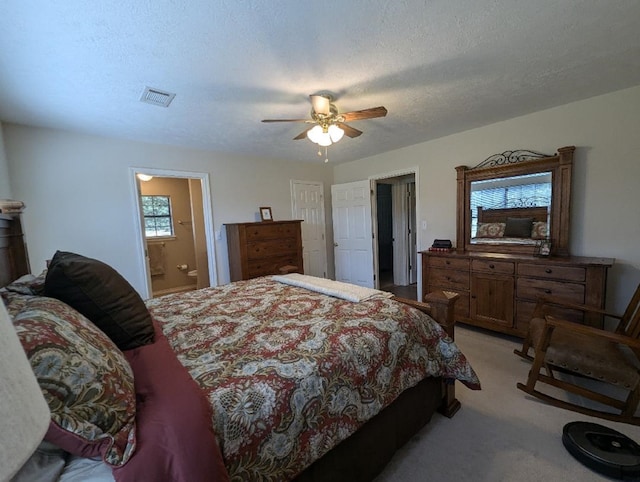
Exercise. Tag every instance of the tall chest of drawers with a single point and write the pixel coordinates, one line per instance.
(263, 248)
(499, 291)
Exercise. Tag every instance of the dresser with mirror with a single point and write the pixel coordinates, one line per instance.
(512, 245)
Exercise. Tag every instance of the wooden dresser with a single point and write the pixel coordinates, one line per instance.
(499, 291)
(263, 248)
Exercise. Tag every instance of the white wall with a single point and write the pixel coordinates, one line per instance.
(606, 182)
(79, 196)
(5, 185)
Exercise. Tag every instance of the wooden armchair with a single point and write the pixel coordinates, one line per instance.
(597, 359)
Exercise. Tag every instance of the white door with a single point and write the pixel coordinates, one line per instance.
(401, 233)
(352, 232)
(308, 205)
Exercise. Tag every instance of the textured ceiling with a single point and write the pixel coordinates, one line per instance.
(439, 66)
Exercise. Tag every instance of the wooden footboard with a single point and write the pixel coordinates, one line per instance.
(439, 305)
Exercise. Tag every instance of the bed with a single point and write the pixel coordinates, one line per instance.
(520, 225)
(254, 380)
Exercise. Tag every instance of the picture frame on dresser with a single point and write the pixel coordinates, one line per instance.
(265, 213)
(543, 248)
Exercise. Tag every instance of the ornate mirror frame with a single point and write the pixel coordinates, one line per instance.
(516, 163)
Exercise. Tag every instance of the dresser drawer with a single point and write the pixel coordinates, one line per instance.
(524, 313)
(568, 273)
(532, 289)
(449, 279)
(271, 265)
(491, 266)
(271, 230)
(273, 247)
(263, 248)
(450, 263)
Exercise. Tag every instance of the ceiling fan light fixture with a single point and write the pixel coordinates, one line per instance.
(314, 134)
(325, 140)
(335, 132)
(325, 136)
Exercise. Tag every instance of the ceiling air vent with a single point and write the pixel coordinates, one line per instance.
(157, 97)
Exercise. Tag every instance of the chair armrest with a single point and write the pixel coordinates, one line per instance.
(592, 331)
(548, 300)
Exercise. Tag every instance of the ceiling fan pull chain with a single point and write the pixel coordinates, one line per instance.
(326, 155)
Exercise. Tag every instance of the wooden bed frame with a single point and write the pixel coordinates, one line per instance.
(13, 252)
(538, 213)
(364, 454)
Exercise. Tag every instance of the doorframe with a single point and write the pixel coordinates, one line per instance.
(373, 180)
(141, 238)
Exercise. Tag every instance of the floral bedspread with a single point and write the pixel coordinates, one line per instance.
(290, 373)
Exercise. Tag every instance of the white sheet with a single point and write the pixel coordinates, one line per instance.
(50, 463)
(338, 289)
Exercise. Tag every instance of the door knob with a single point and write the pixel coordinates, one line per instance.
(335, 244)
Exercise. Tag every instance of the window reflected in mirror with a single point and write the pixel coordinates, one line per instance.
(523, 200)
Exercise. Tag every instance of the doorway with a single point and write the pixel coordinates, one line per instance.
(355, 232)
(395, 217)
(180, 256)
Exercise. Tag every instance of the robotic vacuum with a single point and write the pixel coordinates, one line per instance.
(603, 450)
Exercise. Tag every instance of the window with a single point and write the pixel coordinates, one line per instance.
(157, 216)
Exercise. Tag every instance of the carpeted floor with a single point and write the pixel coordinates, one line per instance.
(500, 433)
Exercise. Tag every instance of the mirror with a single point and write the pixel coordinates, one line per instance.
(514, 200)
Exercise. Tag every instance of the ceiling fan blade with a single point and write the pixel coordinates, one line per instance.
(303, 134)
(364, 114)
(348, 130)
(286, 120)
(321, 104)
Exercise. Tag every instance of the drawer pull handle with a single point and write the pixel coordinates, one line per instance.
(547, 291)
(548, 270)
(491, 266)
(447, 262)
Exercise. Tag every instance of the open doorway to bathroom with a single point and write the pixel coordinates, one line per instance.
(174, 217)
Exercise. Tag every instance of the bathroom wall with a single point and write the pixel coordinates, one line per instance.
(199, 237)
(178, 250)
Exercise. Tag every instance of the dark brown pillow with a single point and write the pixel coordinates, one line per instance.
(101, 294)
(518, 228)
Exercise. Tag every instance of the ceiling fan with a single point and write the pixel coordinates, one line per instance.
(329, 125)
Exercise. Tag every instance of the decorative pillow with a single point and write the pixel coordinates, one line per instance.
(490, 230)
(518, 228)
(85, 379)
(101, 294)
(539, 230)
